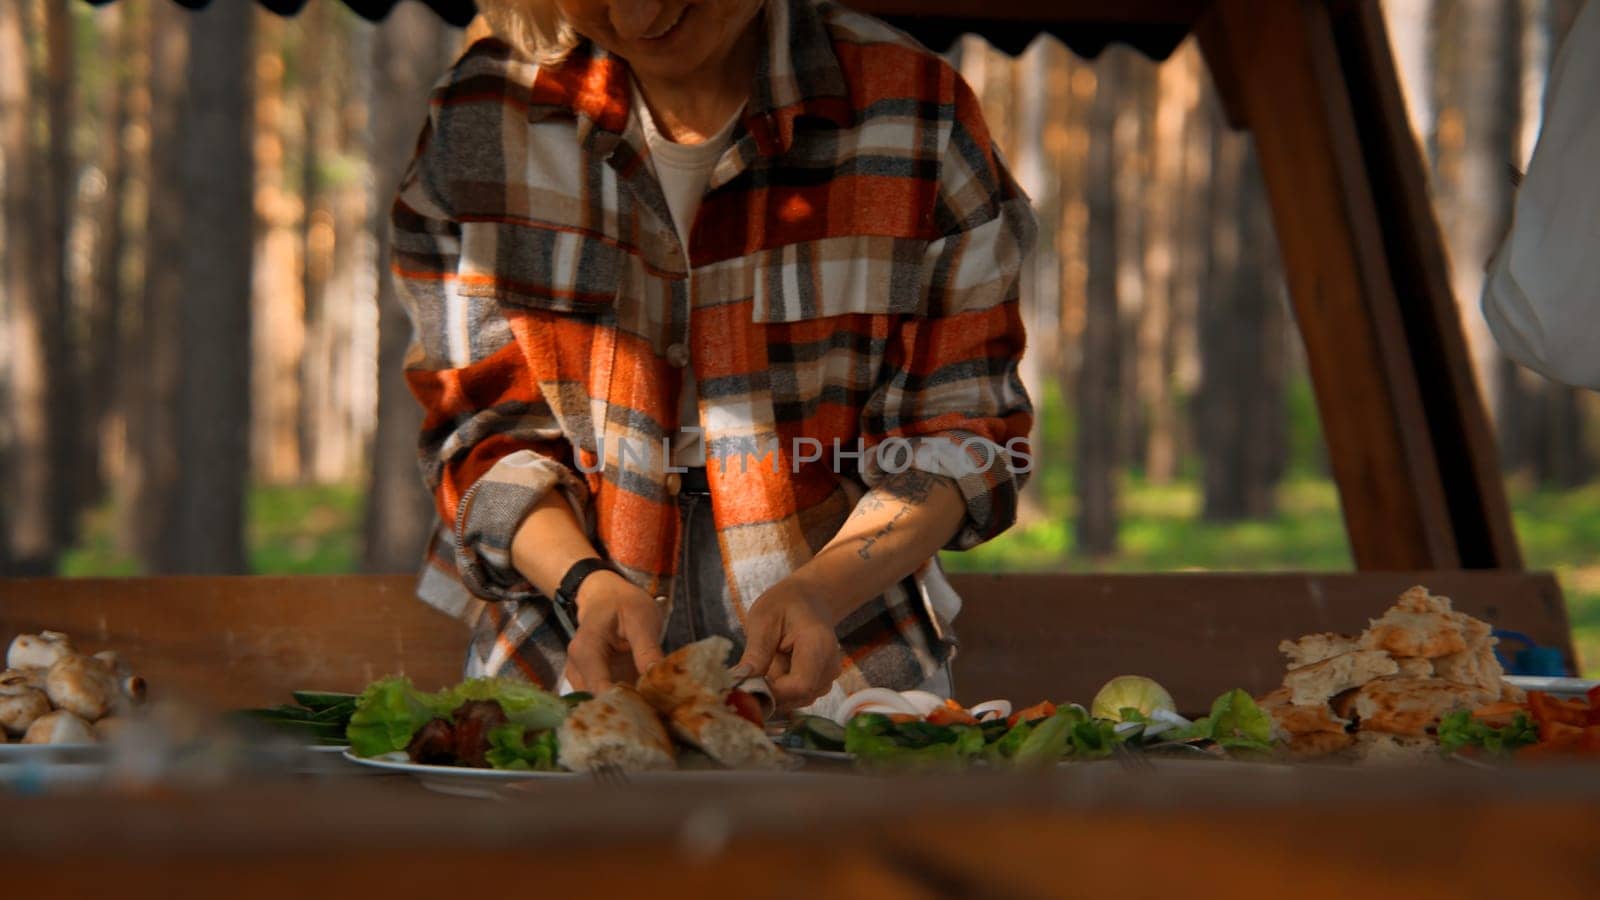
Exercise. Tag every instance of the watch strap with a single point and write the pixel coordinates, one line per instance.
(565, 602)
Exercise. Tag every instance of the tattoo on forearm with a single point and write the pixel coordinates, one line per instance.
(904, 491)
(865, 550)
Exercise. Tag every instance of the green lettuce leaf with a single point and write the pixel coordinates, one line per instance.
(510, 748)
(1237, 723)
(388, 713)
(1460, 730)
(523, 703)
(877, 742)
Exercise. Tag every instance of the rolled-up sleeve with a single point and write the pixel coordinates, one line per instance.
(490, 447)
(952, 391)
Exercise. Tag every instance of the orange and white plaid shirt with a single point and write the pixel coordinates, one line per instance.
(852, 280)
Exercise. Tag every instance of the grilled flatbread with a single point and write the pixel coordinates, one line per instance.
(1314, 648)
(725, 736)
(1416, 666)
(1314, 684)
(1290, 719)
(696, 673)
(1409, 706)
(1317, 744)
(616, 728)
(1374, 748)
(1419, 624)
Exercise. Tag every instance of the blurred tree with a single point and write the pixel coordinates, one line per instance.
(406, 57)
(1240, 419)
(214, 331)
(105, 315)
(26, 543)
(147, 507)
(1100, 368)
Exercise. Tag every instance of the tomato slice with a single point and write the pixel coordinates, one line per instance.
(944, 715)
(1547, 709)
(746, 705)
(1042, 710)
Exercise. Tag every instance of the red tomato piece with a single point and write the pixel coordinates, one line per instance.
(1042, 710)
(746, 705)
(1547, 709)
(944, 715)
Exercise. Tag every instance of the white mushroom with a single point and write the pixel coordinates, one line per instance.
(107, 729)
(20, 704)
(82, 685)
(38, 651)
(131, 686)
(59, 727)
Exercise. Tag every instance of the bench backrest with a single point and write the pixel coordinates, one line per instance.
(247, 641)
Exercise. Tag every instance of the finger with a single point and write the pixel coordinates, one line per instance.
(813, 665)
(643, 638)
(591, 660)
(762, 632)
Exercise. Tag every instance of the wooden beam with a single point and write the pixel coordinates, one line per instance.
(1469, 466)
(1284, 65)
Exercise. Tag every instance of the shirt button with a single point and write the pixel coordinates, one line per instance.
(674, 484)
(677, 356)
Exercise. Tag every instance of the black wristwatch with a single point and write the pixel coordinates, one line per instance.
(565, 602)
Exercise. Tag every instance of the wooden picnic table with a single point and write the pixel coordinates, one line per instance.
(1086, 830)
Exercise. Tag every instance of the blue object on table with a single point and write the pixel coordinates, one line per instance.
(1531, 659)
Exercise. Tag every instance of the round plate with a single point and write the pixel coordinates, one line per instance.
(457, 780)
(52, 753)
(830, 755)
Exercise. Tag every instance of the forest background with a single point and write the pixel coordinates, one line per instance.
(201, 357)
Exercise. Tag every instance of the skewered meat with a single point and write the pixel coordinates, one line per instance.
(433, 744)
(474, 720)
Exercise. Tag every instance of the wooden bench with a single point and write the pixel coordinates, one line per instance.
(246, 641)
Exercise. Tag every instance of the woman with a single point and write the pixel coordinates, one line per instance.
(716, 332)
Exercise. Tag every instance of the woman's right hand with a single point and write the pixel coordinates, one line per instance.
(619, 633)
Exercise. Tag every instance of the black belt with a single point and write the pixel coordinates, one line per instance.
(694, 481)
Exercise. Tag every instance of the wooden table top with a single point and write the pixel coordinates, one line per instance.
(1087, 829)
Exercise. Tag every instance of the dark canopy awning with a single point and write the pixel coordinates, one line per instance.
(1154, 27)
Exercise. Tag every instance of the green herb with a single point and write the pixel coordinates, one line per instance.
(1460, 730)
(511, 748)
(876, 741)
(388, 714)
(1235, 723)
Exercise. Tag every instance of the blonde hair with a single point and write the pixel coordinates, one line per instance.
(533, 27)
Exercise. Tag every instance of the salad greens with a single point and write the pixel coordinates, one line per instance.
(1460, 730)
(510, 748)
(316, 717)
(390, 711)
(1235, 723)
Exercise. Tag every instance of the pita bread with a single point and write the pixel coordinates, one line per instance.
(1312, 685)
(616, 728)
(1374, 748)
(1416, 666)
(1291, 719)
(1425, 634)
(695, 673)
(1314, 648)
(726, 736)
(1410, 706)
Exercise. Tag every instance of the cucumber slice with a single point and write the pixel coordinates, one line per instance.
(820, 733)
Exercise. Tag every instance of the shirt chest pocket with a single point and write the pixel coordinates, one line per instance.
(853, 274)
(549, 269)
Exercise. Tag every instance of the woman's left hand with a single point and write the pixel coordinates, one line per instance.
(789, 638)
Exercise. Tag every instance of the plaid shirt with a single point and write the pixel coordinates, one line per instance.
(852, 276)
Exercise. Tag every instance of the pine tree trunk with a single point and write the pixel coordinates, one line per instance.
(214, 390)
(63, 385)
(1099, 374)
(25, 473)
(315, 228)
(399, 512)
(148, 510)
(106, 310)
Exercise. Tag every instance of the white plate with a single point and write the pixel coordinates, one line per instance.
(397, 762)
(52, 752)
(1561, 687)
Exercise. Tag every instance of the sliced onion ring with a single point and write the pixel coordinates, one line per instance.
(998, 709)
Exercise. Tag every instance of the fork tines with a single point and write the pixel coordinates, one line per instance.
(1128, 759)
(609, 774)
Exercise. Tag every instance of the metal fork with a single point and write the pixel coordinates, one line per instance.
(610, 775)
(1129, 760)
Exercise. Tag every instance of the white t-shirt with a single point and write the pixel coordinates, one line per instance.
(683, 170)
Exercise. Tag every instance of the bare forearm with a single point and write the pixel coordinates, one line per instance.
(548, 542)
(895, 528)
